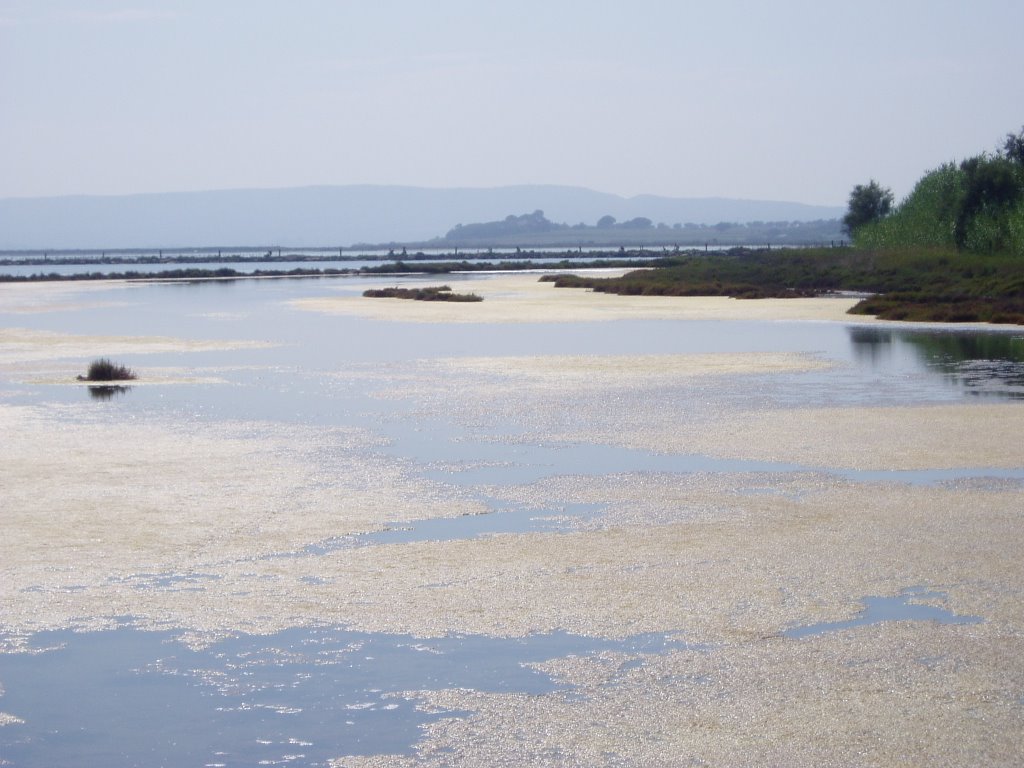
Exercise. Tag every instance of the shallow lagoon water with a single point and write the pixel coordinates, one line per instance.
(878, 609)
(302, 696)
(285, 382)
(257, 309)
(253, 698)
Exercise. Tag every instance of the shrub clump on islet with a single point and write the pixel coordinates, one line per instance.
(107, 370)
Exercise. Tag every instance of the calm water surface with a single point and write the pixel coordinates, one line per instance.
(301, 696)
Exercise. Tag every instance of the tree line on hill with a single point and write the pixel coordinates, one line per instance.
(535, 229)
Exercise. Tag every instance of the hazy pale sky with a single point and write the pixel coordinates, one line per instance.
(781, 100)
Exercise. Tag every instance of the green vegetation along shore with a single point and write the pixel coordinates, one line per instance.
(952, 251)
(974, 206)
(933, 285)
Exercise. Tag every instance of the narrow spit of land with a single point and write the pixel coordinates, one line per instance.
(926, 285)
(628, 261)
(197, 266)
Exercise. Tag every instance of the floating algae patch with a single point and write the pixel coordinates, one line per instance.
(536, 462)
(630, 402)
(878, 695)
(156, 498)
(697, 553)
(528, 464)
(32, 298)
(883, 438)
(869, 438)
(577, 371)
(303, 695)
(958, 476)
(20, 345)
(519, 298)
(667, 551)
(902, 607)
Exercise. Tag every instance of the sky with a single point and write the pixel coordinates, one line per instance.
(785, 100)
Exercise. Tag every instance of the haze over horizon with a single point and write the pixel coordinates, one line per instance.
(790, 101)
(340, 215)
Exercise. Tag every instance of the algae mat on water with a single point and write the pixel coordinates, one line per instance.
(207, 529)
(522, 299)
(728, 561)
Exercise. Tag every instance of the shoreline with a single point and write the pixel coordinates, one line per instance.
(506, 287)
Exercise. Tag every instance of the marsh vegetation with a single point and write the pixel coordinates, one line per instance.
(429, 293)
(924, 284)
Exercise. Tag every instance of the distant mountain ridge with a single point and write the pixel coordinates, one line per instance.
(341, 215)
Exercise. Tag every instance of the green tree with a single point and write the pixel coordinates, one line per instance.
(992, 188)
(868, 203)
(1013, 147)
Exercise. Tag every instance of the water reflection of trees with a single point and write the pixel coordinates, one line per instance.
(107, 391)
(985, 363)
